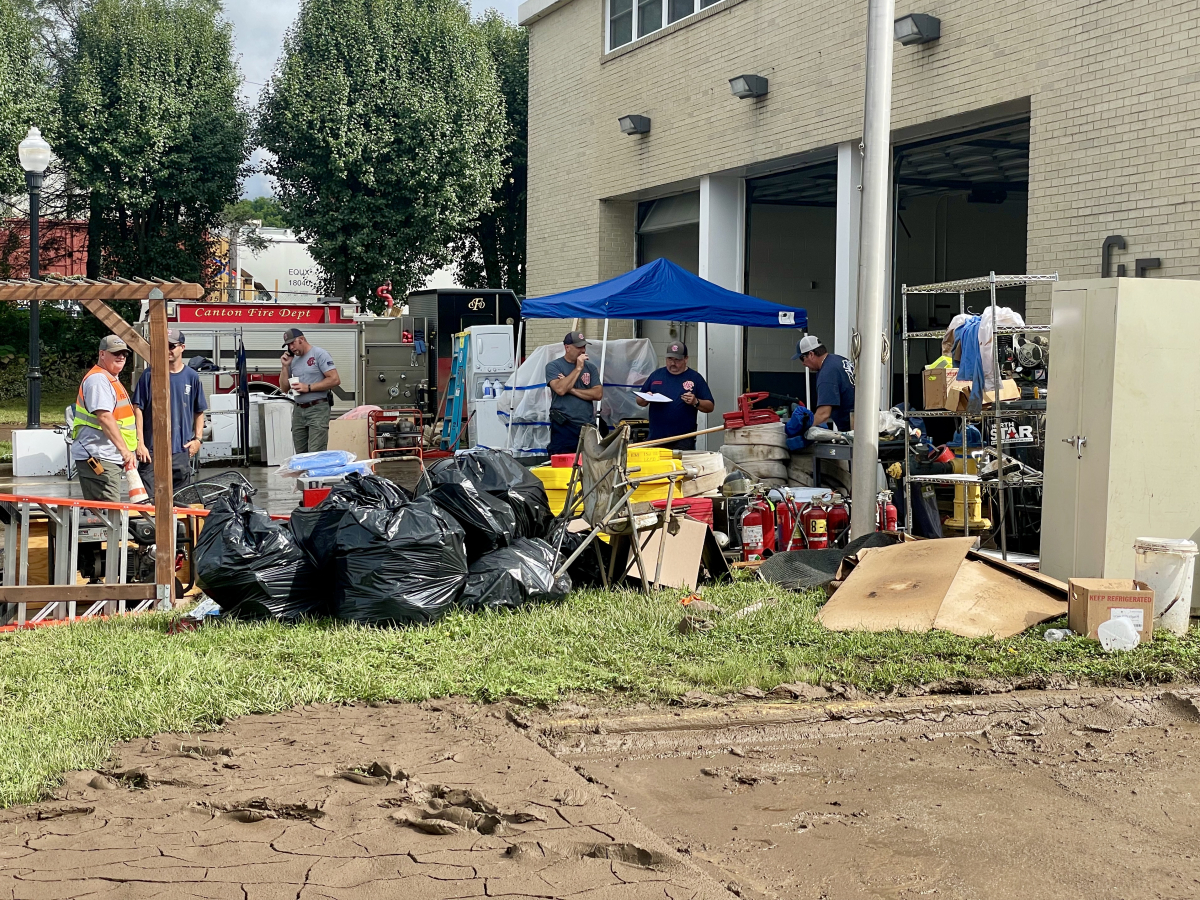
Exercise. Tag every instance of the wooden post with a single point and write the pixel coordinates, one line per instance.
(160, 401)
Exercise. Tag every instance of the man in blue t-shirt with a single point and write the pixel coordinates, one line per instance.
(187, 417)
(689, 395)
(835, 382)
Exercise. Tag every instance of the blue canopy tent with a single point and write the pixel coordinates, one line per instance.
(664, 292)
(661, 291)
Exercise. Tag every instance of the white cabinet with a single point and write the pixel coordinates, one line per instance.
(1122, 423)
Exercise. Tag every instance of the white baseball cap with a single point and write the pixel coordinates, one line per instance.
(806, 344)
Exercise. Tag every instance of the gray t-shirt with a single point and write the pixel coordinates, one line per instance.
(580, 411)
(310, 369)
(98, 396)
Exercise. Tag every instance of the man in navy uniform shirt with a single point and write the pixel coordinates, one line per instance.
(689, 395)
(835, 382)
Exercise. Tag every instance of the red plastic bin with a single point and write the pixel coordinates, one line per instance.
(313, 496)
(562, 460)
(699, 508)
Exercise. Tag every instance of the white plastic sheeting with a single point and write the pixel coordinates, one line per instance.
(627, 365)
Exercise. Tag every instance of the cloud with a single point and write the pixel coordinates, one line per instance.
(258, 30)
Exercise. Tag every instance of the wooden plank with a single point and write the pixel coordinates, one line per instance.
(118, 326)
(81, 593)
(78, 292)
(160, 401)
(1028, 575)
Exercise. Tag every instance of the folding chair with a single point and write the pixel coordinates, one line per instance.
(603, 483)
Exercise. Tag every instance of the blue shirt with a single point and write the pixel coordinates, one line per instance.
(187, 399)
(676, 417)
(835, 387)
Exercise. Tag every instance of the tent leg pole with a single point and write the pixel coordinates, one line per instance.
(511, 390)
(603, 357)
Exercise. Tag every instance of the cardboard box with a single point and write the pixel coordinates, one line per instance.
(1096, 600)
(350, 434)
(935, 383)
(958, 394)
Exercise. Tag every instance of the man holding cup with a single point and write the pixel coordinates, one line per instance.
(309, 372)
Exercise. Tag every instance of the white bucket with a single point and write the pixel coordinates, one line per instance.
(1167, 565)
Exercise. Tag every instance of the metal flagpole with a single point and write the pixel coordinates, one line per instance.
(873, 258)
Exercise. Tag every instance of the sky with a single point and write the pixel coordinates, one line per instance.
(258, 29)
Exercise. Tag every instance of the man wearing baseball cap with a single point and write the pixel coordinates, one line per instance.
(310, 372)
(187, 417)
(103, 434)
(688, 394)
(835, 382)
(574, 388)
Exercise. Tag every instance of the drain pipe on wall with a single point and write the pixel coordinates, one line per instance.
(873, 256)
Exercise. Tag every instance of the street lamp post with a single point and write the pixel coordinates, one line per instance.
(34, 153)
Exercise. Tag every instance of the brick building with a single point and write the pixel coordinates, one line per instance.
(1023, 137)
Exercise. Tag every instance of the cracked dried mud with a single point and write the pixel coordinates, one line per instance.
(1029, 794)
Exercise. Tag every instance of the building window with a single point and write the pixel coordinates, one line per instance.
(652, 15)
(620, 22)
(677, 9)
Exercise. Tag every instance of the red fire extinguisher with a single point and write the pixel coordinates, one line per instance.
(787, 514)
(888, 517)
(758, 530)
(839, 518)
(816, 526)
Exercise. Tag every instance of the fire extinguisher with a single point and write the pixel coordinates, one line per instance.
(816, 526)
(839, 518)
(888, 517)
(758, 530)
(788, 516)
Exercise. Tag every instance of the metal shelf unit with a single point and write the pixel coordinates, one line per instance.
(990, 283)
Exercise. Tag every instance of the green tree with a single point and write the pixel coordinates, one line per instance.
(491, 253)
(262, 209)
(387, 129)
(24, 93)
(158, 140)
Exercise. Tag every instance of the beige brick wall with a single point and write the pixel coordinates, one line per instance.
(1114, 88)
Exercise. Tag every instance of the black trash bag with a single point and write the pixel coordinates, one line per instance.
(315, 528)
(500, 475)
(586, 570)
(397, 565)
(252, 566)
(489, 522)
(513, 576)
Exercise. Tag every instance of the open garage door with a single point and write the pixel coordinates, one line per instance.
(961, 210)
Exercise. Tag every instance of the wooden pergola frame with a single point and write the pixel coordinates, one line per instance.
(92, 296)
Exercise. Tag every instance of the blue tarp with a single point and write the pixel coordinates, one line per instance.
(664, 292)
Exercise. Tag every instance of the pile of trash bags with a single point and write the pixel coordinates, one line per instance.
(372, 553)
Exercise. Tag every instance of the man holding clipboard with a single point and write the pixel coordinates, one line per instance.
(675, 394)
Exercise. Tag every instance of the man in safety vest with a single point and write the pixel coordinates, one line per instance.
(104, 434)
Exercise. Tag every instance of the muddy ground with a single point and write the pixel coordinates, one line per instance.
(1029, 794)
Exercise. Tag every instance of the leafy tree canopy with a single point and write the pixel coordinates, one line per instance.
(158, 139)
(387, 128)
(24, 95)
(491, 253)
(262, 209)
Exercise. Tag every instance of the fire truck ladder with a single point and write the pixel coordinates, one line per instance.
(456, 395)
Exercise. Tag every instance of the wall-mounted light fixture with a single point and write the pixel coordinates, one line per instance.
(745, 87)
(917, 28)
(635, 124)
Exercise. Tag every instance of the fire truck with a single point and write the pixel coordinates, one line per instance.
(375, 356)
(212, 330)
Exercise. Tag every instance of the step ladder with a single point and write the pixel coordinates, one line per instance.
(456, 394)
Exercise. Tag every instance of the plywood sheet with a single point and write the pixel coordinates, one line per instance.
(899, 587)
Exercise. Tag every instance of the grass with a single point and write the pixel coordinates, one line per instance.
(68, 693)
(5, 451)
(13, 410)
